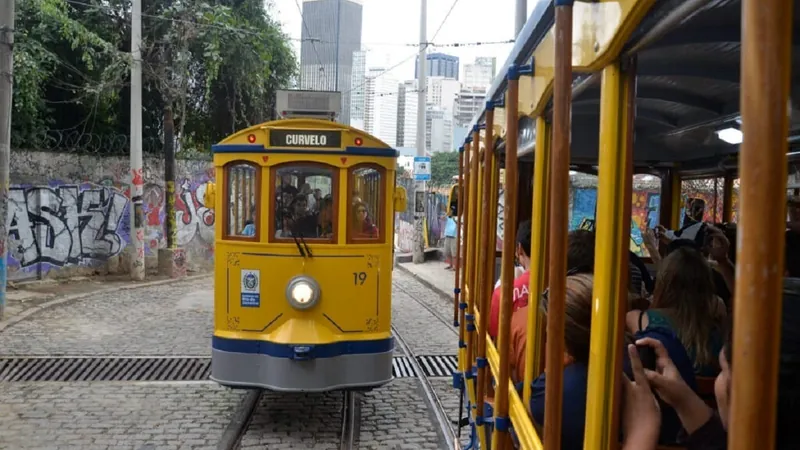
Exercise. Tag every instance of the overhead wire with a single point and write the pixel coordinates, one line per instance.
(427, 44)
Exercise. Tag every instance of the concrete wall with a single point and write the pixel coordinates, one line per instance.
(70, 214)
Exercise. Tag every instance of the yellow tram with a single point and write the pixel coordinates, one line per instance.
(674, 89)
(303, 261)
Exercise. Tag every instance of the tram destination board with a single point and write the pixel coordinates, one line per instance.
(305, 139)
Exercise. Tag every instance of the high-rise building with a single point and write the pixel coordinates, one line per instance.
(481, 73)
(469, 102)
(438, 129)
(380, 114)
(407, 101)
(439, 65)
(358, 89)
(442, 92)
(318, 49)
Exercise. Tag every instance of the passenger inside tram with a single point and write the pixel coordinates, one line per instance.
(521, 281)
(250, 225)
(325, 217)
(304, 222)
(578, 317)
(362, 223)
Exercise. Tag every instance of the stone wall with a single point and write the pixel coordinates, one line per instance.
(69, 214)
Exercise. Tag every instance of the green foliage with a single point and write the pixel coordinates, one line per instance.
(216, 65)
(444, 166)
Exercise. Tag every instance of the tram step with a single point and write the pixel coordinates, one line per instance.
(165, 368)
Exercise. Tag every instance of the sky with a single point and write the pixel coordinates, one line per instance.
(391, 25)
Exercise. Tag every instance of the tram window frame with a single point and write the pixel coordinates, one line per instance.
(333, 239)
(226, 174)
(381, 239)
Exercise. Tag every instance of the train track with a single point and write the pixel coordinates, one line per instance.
(447, 322)
(350, 428)
(434, 403)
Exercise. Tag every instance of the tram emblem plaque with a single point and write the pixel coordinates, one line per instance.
(251, 297)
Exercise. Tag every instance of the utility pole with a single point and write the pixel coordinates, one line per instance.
(419, 188)
(137, 174)
(6, 91)
(520, 17)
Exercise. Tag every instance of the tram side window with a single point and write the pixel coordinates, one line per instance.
(366, 203)
(242, 187)
(304, 201)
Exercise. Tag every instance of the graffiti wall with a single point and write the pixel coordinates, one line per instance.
(435, 217)
(70, 214)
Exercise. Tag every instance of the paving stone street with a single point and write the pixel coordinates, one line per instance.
(175, 320)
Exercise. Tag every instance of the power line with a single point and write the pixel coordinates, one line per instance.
(427, 44)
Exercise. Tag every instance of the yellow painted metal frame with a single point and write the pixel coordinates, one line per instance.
(600, 30)
(609, 295)
(539, 233)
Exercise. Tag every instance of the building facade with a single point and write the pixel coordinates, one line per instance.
(380, 113)
(442, 92)
(438, 129)
(481, 73)
(318, 49)
(439, 65)
(358, 88)
(407, 101)
(469, 102)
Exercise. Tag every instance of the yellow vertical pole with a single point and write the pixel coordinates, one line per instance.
(541, 196)
(487, 250)
(459, 220)
(465, 190)
(727, 197)
(559, 223)
(677, 200)
(500, 435)
(765, 80)
(474, 178)
(609, 297)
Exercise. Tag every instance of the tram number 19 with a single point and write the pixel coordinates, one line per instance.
(359, 278)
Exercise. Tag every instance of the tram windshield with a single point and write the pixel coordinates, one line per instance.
(304, 202)
(366, 205)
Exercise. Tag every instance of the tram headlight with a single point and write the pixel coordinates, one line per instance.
(302, 292)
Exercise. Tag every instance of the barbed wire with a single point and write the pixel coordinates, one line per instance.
(79, 142)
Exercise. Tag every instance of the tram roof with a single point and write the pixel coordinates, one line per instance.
(688, 85)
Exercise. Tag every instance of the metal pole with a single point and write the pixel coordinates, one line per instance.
(6, 91)
(137, 175)
(520, 16)
(338, 31)
(419, 240)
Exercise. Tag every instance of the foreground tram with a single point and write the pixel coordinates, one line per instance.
(678, 90)
(303, 258)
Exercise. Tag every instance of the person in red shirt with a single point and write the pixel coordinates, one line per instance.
(520, 297)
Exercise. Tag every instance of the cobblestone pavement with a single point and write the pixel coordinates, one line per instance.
(89, 416)
(394, 417)
(165, 320)
(424, 332)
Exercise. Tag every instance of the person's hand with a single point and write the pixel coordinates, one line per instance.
(666, 379)
(641, 416)
(661, 233)
(720, 245)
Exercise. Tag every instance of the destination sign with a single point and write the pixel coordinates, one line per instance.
(305, 139)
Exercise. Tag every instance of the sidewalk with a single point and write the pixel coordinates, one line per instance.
(434, 275)
(25, 299)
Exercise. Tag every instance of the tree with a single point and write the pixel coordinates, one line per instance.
(216, 65)
(444, 166)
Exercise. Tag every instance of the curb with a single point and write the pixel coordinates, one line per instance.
(444, 294)
(69, 298)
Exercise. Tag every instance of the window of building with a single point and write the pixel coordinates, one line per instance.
(365, 211)
(304, 202)
(242, 184)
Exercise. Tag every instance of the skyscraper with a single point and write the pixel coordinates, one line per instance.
(407, 101)
(380, 115)
(321, 44)
(481, 73)
(439, 65)
(358, 89)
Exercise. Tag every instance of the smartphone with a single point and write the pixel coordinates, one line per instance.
(648, 356)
